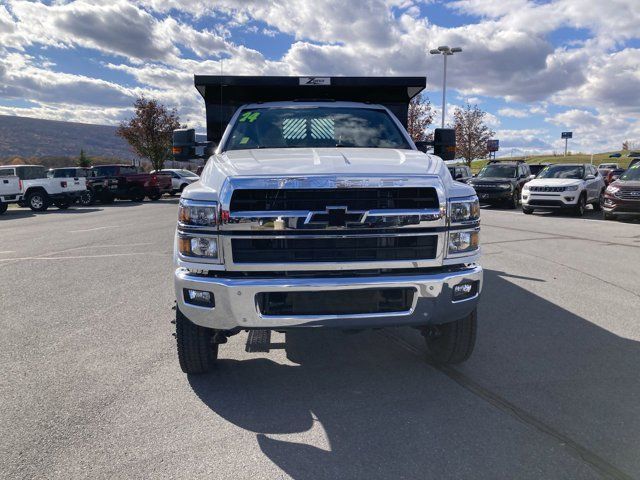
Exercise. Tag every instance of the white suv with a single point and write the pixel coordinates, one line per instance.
(180, 178)
(564, 186)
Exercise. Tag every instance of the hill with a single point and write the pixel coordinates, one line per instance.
(32, 138)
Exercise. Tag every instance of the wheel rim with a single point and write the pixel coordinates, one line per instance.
(581, 207)
(36, 201)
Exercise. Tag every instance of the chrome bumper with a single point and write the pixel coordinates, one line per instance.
(235, 300)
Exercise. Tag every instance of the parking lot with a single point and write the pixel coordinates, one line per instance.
(91, 386)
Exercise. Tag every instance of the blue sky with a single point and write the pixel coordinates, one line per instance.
(536, 68)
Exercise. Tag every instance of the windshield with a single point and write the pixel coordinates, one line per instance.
(604, 166)
(187, 173)
(632, 174)
(562, 171)
(315, 127)
(498, 171)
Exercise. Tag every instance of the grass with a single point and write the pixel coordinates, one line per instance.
(598, 158)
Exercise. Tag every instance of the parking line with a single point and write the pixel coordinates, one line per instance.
(93, 229)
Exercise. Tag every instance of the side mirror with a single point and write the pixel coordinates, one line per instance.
(531, 177)
(423, 146)
(590, 177)
(444, 143)
(184, 144)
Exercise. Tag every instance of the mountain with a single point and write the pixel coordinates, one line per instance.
(32, 137)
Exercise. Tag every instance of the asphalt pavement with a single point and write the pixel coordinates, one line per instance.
(91, 387)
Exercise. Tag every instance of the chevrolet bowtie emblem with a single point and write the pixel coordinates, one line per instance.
(334, 217)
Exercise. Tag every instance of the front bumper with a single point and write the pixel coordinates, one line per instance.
(560, 200)
(236, 306)
(488, 196)
(618, 206)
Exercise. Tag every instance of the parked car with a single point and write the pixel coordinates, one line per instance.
(96, 187)
(633, 162)
(180, 178)
(536, 168)
(500, 182)
(622, 197)
(564, 186)
(460, 173)
(633, 154)
(615, 155)
(10, 191)
(127, 183)
(40, 192)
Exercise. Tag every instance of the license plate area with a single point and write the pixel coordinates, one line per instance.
(336, 302)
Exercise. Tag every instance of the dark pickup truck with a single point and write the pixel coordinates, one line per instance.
(126, 182)
(96, 187)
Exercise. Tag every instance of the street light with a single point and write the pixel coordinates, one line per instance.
(445, 51)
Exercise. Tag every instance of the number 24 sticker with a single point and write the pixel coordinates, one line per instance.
(249, 116)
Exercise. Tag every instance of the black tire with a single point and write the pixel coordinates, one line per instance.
(579, 209)
(86, 198)
(3, 207)
(62, 205)
(136, 194)
(514, 200)
(38, 201)
(155, 197)
(196, 351)
(527, 211)
(597, 205)
(609, 216)
(453, 342)
(183, 186)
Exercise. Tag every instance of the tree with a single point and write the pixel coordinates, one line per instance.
(83, 160)
(625, 145)
(149, 132)
(17, 161)
(419, 117)
(471, 133)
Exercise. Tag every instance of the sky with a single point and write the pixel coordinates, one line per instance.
(536, 67)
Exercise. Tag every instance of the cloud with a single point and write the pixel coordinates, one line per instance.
(513, 112)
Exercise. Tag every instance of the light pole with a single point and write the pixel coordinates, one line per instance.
(445, 52)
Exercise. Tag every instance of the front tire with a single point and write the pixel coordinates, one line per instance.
(597, 205)
(609, 216)
(196, 351)
(155, 197)
(514, 200)
(527, 210)
(38, 201)
(86, 198)
(579, 209)
(452, 342)
(3, 207)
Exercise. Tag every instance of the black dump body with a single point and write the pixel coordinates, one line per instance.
(224, 94)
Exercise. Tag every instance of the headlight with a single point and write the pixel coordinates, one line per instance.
(505, 186)
(460, 242)
(200, 247)
(464, 211)
(572, 188)
(525, 187)
(612, 189)
(192, 213)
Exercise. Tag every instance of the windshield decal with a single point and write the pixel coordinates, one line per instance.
(249, 116)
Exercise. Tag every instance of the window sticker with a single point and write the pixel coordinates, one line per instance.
(294, 128)
(244, 140)
(249, 117)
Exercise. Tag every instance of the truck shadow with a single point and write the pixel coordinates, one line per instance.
(361, 406)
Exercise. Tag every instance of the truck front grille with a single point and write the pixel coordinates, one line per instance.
(334, 249)
(316, 199)
(628, 194)
(546, 189)
(339, 302)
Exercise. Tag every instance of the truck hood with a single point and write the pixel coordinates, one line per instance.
(554, 182)
(319, 161)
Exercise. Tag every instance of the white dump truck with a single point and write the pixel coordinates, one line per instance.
(316, 210)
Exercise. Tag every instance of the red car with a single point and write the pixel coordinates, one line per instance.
(126, 182)
(622, 197)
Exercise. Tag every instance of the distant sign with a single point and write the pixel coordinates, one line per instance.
(493, 145)
(567, 135)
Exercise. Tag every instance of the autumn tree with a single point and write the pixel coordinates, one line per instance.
(83, 160)
(419, 117)
(149, 132)
(472, 133)
(625, 145)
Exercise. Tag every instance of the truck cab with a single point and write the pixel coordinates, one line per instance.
(317, 210)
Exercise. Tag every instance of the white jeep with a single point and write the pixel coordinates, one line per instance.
(10, 191)
(316, 211)
(564, 186)
(40, 192)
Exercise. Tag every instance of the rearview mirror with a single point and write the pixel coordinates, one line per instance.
(184, 144)
(444, 143)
